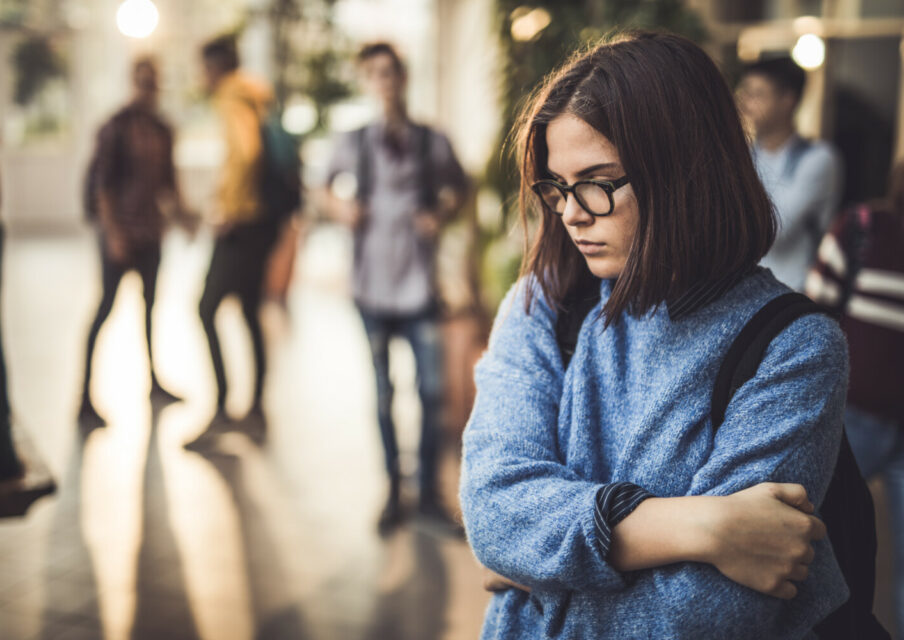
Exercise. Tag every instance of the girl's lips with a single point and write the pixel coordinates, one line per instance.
(590, 248)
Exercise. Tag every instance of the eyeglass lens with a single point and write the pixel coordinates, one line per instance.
(593, 197)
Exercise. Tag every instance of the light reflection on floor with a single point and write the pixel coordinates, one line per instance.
(146, 540)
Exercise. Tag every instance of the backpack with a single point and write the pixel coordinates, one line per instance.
(280, 177)
(847, 509)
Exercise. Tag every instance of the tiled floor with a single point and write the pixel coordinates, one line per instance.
(147, 540)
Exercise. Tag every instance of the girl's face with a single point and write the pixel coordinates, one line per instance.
(577, 151)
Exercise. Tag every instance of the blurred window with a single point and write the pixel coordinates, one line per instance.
(881, 8)
(758, 10)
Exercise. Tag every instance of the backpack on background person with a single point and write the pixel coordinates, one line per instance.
(280, 180)
(281, 196)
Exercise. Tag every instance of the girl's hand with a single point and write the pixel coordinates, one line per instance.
(762, 537)
(492, 581)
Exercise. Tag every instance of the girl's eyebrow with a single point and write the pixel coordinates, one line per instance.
(603, 166)
(597, 167)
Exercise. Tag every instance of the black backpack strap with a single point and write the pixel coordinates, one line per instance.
(580, 299)
(795, 153)
(427, 195)
(363, 168)
(746, 352)
(847, 509)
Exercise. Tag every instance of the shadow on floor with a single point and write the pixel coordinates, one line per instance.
(276, 610)
(71, 593)
(415, 610)
(162, 608)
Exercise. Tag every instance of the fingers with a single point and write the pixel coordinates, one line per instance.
(785, 591)
(817, 528)
(492, 581)
(799, 573)
(792, 494)
(808, 555)
(498, 583)
(494, 585)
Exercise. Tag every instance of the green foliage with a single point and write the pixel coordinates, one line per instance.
(309, 53)
(322, 82)
(13, 12)
(35, 64)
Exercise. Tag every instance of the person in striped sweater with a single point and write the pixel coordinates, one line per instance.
(860, 272)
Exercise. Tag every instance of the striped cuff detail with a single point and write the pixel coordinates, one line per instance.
(614, 502)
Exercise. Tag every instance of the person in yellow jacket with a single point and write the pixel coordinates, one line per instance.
(244, 234)
(240, 101)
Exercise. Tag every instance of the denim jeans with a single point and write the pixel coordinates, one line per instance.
(421, 330)
(878, 445)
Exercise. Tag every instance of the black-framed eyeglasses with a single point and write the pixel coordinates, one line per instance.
(594, 195)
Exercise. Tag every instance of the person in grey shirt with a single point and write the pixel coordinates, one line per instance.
(803, 177)
(409, 183)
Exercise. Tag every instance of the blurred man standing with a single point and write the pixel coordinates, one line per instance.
(409, 183)
(244, 235)
(10, 464)
(131, 184)
(803, 177)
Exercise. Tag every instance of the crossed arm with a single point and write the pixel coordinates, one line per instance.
(760, 537)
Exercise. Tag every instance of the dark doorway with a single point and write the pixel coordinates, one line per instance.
(862, 77)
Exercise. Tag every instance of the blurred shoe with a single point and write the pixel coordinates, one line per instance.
(254, 424)
(88, 417)
(161, 395)
(392, 515)
(433, 514)
(220, 423)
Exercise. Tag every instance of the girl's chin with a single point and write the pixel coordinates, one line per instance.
(605, 268)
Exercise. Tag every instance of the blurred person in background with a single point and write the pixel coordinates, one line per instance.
(860, 272)
(802, 177)
(409, 183)
(244, 234)
(10, 465)
(130, 191)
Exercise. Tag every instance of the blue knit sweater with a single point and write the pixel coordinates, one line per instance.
(634, 406)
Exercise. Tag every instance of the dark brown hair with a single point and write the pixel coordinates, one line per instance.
(782, 72)
(145, 64)
(222, 52)
(703, 212)
(375, 49)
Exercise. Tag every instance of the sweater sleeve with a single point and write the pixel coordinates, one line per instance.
(784, 425)
(528, 516)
